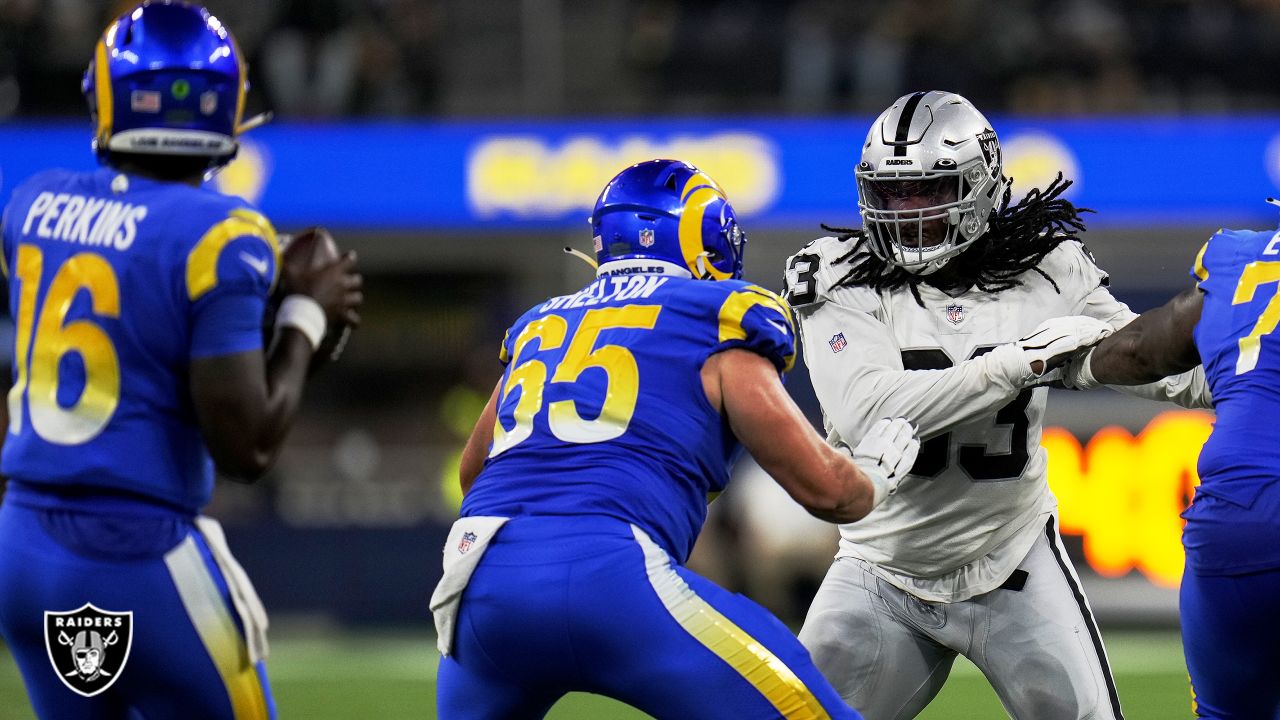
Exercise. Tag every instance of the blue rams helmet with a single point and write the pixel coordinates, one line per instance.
(667, 215)
(167, 78)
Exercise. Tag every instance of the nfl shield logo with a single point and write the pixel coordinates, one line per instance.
(646, 237)
(88, 647)
(955, 314)
(208, 102)
(468, 539)
(838, 342)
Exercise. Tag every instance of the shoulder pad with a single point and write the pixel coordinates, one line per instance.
(205, 256)
(1228, 251)
(757, 319)
(810, 273)
(813, 274)
(1072, 266)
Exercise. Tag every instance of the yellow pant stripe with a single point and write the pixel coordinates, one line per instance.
(217, 630)
(752, 660)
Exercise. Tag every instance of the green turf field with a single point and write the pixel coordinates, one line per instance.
(390, 677)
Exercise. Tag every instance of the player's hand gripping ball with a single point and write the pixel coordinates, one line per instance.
(313, 265)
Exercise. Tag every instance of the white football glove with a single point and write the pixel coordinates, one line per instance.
(886, 455)
(1057, 340)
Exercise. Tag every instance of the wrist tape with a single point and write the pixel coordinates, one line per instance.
(304, 314)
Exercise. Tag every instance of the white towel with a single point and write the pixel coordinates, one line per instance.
(253, 616)
(467, 542)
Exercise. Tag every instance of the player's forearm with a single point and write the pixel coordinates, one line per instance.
(1119, 360)
(1157, 344)
(866, 380)
(935, 400)
(853, 494)
(821, 479)
(824, 481)
(287, 368)
(245, 403)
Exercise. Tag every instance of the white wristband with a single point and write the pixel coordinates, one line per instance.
(304, 314)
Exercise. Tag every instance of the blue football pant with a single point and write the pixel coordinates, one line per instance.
(592, 604)
(188, 657)
(1231, 636)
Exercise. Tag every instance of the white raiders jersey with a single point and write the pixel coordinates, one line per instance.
(977, 496)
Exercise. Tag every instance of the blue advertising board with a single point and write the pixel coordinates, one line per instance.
(779, 172)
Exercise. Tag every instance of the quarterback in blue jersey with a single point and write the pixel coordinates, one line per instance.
(139, 299)
(587, 476)
(1230, 594)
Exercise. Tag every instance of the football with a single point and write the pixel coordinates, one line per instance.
(313, 248)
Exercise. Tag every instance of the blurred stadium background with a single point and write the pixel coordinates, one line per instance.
(458, 146)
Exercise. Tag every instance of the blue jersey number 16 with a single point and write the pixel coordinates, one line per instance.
(41, 344)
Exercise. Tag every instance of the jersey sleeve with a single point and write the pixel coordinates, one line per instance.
(813, 275)
(857, 372)
(1074, 271)
(756, 319)
(505, 351)
(4, 242)
(514, 338)
(229, 274)
(1207, 262)
(1102, 305)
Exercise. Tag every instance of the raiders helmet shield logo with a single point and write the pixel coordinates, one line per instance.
(990, 147)
(88, 647)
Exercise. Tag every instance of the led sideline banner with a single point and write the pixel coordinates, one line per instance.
(1123, 494)
(778, 172)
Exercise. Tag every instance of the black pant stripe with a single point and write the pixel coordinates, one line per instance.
(1059, 554)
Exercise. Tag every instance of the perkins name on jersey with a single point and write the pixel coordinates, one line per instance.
(96, 222)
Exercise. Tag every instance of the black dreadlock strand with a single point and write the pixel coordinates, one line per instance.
(1017, 240)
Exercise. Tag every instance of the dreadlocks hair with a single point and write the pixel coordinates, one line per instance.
(1017, 239)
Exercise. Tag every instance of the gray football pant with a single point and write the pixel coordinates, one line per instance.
(888, 653)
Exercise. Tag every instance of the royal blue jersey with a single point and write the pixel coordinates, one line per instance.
(116, 283)
(1238, 272)
(603, 411)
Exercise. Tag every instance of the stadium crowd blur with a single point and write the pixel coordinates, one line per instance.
(376, 58)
